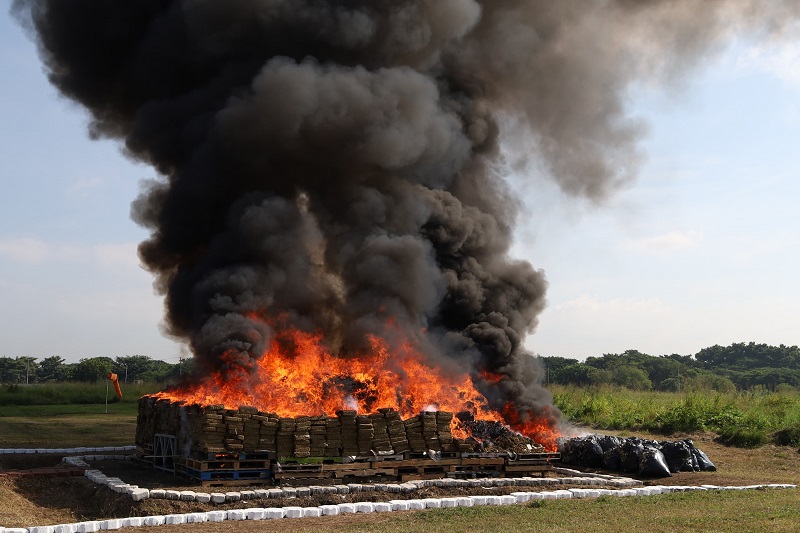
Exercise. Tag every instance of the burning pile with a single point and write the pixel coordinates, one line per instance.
(213, 429)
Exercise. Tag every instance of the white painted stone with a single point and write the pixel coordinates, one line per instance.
(302, 492)
(293, 512)
(345, 508)
(365, 507)
(172, 519)
(233, 496)
(493, 500)
(535, 496)
(311, 512)
(261, 494)
(383, 507)
(271, 513)
(507, 500)
(248, 495)
(84, 527)
(342, 489)
(202, 497)
(158, 520)
(158, 493)
(416, 504)
(479, 500)
(196, 518)
(549, 495)
(216, 516)
(521, 497)
(256, 514)
(187, 495)
(139, 494)
(449, 502)
(65, 528)
(237, 514)
(172, 494)
(274, 493)
(216, 497)
(329, 510)
(399, 505)
(110, 525)
(432, 503)
(465, 502)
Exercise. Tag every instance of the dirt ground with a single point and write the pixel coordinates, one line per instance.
(29, 500)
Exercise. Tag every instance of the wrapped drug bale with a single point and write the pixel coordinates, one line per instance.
(349, 432)
(284, 439)
(396, 431)
(333, 437)
(366, 433)
(302, 436)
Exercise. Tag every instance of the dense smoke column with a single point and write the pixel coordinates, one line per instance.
(337, 163)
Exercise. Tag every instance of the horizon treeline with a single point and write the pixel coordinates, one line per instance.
(129, 369)
(739, 366)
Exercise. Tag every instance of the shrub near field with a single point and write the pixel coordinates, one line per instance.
(749, 418)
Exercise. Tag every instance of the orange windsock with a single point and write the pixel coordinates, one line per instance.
(115, 380)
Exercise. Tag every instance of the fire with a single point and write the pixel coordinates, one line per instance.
(298, 376)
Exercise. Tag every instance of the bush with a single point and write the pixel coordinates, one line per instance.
(743, 437)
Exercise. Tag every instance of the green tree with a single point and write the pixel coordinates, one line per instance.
(53, 369)
(93, 369)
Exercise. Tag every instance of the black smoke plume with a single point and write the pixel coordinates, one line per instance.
(338, 163)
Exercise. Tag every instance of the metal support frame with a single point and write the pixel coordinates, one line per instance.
(165, 448)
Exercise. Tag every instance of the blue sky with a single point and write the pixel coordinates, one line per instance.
(701, 249)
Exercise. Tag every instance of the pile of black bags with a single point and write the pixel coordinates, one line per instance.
(634, 455)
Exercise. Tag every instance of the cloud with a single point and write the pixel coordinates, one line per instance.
(24, 250)
(85, 186)
(667, 242)
(782, 60)
(33, 251)
(586, 304)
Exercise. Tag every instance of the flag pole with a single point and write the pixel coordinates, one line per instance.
(106, 396)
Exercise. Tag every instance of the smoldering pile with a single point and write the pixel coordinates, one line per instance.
(491, 436)
(635, 455)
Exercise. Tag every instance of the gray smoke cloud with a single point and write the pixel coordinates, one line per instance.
(338, 163)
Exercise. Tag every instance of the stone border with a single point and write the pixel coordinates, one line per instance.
(62, 451)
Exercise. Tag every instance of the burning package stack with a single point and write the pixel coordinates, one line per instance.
(269, 431)
(396, 431)
(349, 432)
(284, 440)
(365, 434)
(413, 428)
(302, 437)
(234, 431)
(333, 437)
(318, 435)
(430, 431)
(381, 444)
(443, 420)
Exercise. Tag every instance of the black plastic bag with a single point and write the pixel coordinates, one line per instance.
(653, 463)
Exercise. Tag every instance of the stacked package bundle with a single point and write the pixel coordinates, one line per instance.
(349, 432)
(396, 431)
(333, 437)
(284, 439)
(381, 444)
(318, 433)
(366, 432)
(200, 430)
(302, 436)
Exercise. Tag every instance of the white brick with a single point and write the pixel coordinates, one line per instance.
(172, 519)
(172, 494)
(310, 512)
(521, 497)
(133, 521)
(416, 504)
(216, 497)
(478, 500)
(14, 529)
(383, 507)
(465, 502)
(188, 495)
(195, 518)
(432, 503)
(216, 516)
(449, 502)
(110, 525)
(256, 514)
(158, 493)
(65, 528)
(237, 514)
(202, 497)
(507, 500)
(293, 512)
(493, 500)
(158, 520)
(233, 496)
(274, 512)
(84, 527)
(345, 508)
(139, 494)
(329, 510)
(399, 505)
(365, 507)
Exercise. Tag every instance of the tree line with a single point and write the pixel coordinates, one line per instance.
(723, 368)
(129, 368)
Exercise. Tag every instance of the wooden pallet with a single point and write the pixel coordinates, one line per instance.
(232, 464)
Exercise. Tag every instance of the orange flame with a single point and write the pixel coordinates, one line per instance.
(306, 379)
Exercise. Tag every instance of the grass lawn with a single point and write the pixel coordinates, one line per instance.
(63, 426)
